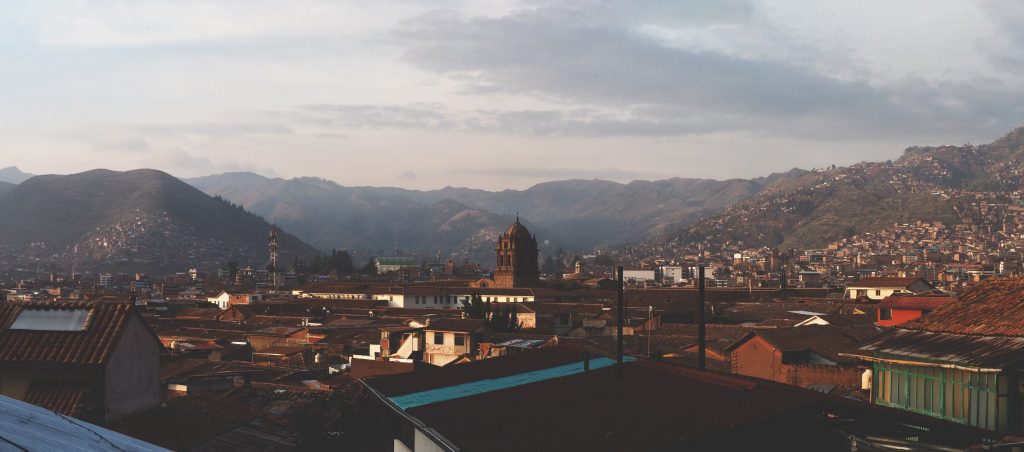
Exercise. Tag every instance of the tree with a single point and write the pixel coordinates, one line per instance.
(341, 263)
(548, 267)
(504, 320)
(370, 267)
(475, 308)
(232, 270)
(604, 260)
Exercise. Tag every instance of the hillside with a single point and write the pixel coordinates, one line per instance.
(570, 213)
(141, 219)
(926, 183)
(329, 215)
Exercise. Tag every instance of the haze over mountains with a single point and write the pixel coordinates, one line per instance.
(576, 214)
(12, 175)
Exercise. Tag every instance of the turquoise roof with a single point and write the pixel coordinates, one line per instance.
(495, 384)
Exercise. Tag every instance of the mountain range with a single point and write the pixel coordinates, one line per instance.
(135, 220)
(575, 214)
(147, 216)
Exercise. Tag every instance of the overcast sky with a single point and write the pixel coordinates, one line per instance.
(500, 94)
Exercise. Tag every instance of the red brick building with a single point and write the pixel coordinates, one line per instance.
(801, 356)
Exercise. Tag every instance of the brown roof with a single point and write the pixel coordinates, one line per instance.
(199, 313)
(457, 325)
(61, 397)
(991, 308)
(92, 345)
(827, 341)
(886, 281)
(915, 302)
(653, 407)
(687, 298)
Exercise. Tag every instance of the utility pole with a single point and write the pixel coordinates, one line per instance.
(701, 339)
(622, 313)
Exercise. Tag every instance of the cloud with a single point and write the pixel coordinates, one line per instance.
(133, 144)
(420, 116)
(407, 176)
(566, 56)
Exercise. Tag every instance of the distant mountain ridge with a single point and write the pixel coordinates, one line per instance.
(569, 213)
(140, 219)
(927, 183)
(13, 175)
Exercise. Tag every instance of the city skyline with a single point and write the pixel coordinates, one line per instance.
(500, 95)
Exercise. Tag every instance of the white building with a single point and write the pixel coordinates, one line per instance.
(882, 287)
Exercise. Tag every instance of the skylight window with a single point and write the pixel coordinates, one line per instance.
(51, 320)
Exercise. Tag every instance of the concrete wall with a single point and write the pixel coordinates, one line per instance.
(873, 293)
(133, 372)
(443, 353)
(425, 444)
(803, 375)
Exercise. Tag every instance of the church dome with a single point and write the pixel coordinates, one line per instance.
(517, 231)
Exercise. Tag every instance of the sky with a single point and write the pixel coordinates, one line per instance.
(500, 94)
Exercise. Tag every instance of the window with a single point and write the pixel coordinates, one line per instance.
(439, 338)
(862, 293)
(460, 340)
(885, 314)
(878, 293)
(51, 320)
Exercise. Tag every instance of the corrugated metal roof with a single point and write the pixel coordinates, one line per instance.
(959, 349)
(24, 426)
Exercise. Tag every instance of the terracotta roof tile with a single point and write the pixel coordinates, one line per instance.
(914, 302)
(92, 345)
(992, 308)
(62, 397)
